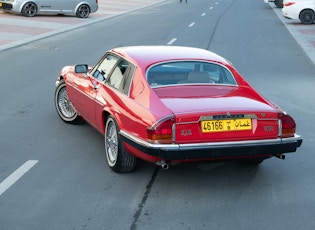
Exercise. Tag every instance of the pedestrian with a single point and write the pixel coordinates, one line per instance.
(180, 1)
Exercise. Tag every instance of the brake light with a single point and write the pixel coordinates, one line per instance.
(286, 125)
(288, 3)
(161, 132)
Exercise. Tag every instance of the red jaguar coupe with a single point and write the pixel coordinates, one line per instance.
(168, 104)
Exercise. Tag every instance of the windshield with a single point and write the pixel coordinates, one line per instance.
(189, 72)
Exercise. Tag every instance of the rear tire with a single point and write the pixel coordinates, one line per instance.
(29, 9)
(83, 11)
(307, 17)
(64, 107)
(118, 159)
(279, 3)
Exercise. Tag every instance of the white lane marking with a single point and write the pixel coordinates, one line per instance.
(203, 14)
(191, 24)
(16, 175)
(211, 8)
(171, 41)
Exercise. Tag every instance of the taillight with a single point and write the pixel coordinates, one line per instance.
(286, 125)
(288, 3)
(161, 132)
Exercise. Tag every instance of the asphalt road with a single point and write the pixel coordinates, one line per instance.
(55, 176)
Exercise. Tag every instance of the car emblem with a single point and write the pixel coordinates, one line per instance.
(186, 132)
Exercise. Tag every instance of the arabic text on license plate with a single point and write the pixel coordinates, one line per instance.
(226, 125)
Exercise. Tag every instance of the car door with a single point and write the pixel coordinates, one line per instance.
(113, 95)
(53, 6)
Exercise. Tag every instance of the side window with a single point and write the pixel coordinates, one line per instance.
(118, 73)
(104, 68)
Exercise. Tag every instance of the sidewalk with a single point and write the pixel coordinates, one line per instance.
(303, 34)
(17, 30)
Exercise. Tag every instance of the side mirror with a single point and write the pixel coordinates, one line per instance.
(82, 68)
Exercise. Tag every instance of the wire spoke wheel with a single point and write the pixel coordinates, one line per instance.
(119, 160)
(111, 143)
(64, 104)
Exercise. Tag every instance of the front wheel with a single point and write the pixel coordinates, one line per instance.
(83, 11)
(119, 160)
(29, 9)
(307, 16)
(64, 107)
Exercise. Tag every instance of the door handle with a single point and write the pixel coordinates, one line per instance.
(96, 86)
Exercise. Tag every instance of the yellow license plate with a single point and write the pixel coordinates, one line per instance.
(226, 125)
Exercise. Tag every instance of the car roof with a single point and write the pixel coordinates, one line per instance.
(145, 56)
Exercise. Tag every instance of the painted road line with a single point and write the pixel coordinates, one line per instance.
(16, 175)
(172, 41)
(191, 24)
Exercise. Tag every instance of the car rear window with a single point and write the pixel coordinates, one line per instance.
(189, 72)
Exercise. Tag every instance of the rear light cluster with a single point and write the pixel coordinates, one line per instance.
(287, 125)
(288, 3)
(162, 132)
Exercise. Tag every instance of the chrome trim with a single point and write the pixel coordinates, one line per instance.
(296, 138)
(228, 117)
(168, 117)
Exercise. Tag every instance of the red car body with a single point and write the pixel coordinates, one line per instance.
(173, 104)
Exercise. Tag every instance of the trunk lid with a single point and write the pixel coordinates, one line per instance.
(224, 116)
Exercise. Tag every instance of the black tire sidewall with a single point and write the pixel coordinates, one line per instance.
(73, 119)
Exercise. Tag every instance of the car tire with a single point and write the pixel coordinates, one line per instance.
(83, 11)
(279, 3)
(29, 9)
(64, 107)
(119, 160)
(307, 16)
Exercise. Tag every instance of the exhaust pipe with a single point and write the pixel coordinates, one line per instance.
(280, 156)
(164, 165)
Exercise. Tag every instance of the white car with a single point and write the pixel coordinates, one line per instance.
(29, 8)
(278, 3)
(299, 9)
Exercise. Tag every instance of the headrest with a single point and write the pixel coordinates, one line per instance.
(198, 77)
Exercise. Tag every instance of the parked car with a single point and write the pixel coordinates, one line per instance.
(169, 104)
(302, 9)
(278, 3)
(30, 8)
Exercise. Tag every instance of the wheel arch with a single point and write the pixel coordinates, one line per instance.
(116, 117)
(27, 1)
(80, 4)
(306, 9)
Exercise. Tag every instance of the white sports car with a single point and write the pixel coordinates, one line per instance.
(301, 9)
